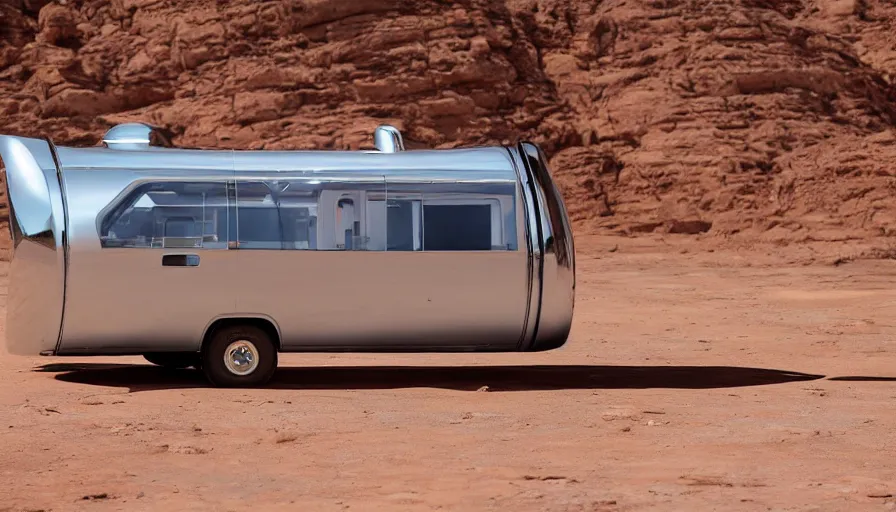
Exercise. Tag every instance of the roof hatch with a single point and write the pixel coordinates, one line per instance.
(134, 136)
(388, 139)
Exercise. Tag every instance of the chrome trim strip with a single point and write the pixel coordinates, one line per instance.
(65, 244)
(534, 249)
(558, 257)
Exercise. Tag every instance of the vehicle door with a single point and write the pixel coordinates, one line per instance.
(159, 274)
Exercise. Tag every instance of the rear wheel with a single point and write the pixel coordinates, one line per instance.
(175, 360)
(239, 356)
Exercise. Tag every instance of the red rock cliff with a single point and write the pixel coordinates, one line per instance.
(751, 119)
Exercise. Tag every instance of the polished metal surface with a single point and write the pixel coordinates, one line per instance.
(378, 300)
(129, 136)
(558, 258)
(123, 299)
(241, 357)
(388, 139)
(25, 176)
(463, 249)
(36, 294)
(481, 164)
(323, 291)
(530, 222)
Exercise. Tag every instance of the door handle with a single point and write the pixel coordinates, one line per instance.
(180, 260)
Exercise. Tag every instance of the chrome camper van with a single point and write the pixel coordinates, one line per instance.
(219, 259)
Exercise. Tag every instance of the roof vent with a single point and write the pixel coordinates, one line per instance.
(134, 136)
(388, 139)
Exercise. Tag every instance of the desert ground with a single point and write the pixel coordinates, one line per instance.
(725, 380)
(733, 345)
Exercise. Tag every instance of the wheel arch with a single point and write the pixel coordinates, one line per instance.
(264, 322)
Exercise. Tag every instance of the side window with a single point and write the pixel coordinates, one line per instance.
(461, 225)
(350, 211)
(258, 221)
(168, 214)
(404, 217)
(336, 213)
(451, 217)
(298, 204)
(308, 214)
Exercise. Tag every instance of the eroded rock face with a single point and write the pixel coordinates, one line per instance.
(761, 119)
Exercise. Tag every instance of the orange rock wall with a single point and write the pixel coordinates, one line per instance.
(750, 119)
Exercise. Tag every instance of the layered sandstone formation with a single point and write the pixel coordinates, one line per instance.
(745, 119)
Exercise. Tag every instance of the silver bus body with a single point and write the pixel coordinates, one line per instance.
(134, 248)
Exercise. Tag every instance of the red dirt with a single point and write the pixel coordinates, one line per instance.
(723, 381)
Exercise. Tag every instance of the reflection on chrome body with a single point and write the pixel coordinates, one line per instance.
(131, 136)
(387, 139)
(135, 248)
(37, 224)
(558, 254)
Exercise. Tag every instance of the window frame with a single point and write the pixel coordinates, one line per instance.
(112, 213)
(496, 214)
(406, 191)
(323, 226)
(247, 245)
(499, 230)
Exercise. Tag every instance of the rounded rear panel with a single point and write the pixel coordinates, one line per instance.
(36, 286)
(558, 269)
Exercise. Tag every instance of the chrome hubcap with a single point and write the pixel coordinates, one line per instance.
(241, 357)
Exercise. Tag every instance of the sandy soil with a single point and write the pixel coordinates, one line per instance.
(712, 381)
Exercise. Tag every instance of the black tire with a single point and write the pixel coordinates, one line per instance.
(174, 360)
(255, 340)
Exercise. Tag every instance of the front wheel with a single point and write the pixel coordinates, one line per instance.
(239, 356)
(174, 360)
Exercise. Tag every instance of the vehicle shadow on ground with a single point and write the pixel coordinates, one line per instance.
(863, 378)
(461, 378)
